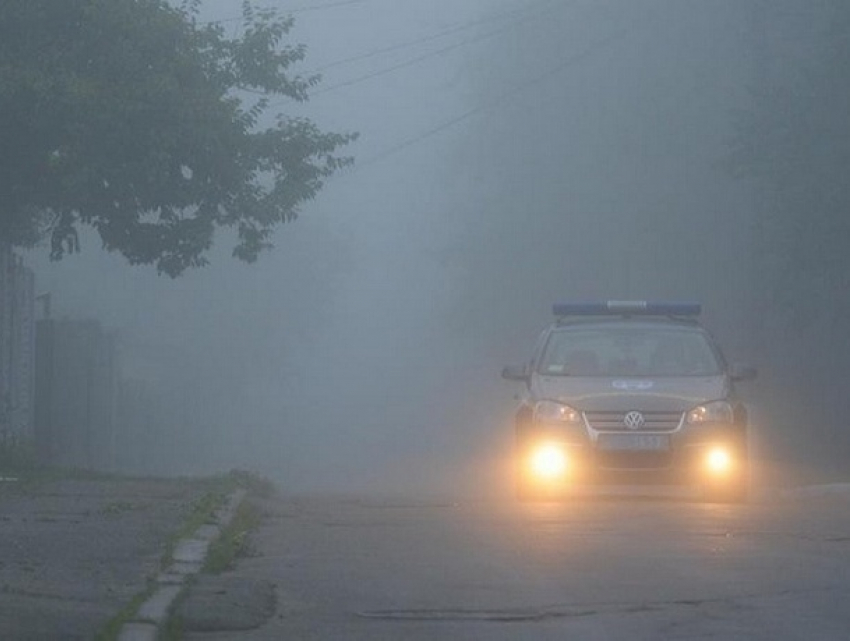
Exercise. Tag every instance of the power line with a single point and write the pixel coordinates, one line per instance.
(424, 39)
(328, 5)
(543, 5)
(317, 7)
(496, 102)
(413, 61)
(500, 99)
(410, 43)
(425, 56)
(396, 47)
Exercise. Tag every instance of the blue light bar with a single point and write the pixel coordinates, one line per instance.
(627, 308)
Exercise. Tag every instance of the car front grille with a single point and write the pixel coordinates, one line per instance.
(614, 421)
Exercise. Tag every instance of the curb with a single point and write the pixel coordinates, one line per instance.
(186, 561)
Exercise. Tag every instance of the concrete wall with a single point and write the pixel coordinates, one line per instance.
(77, 393)
(17, 347)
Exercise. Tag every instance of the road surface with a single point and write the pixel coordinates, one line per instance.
(74, 551)
(631, 566)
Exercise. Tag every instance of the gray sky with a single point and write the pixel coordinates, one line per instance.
(512, 152)
(300, 340)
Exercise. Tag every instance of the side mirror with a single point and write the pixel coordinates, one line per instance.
(740, 372)
(514, 373)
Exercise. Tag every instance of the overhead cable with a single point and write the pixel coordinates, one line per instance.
(317, 7)
(429, 38)
(417, 59)
(500, 99)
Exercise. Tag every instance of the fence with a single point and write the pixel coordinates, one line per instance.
(17, 348)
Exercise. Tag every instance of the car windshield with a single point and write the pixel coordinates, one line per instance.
(628, 351)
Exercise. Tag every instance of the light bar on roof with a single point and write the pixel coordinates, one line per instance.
(627, 308)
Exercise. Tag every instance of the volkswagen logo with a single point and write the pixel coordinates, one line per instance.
(634, 420)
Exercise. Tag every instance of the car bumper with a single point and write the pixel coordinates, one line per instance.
(714, 453)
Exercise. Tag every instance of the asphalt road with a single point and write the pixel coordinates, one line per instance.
(632, 566)
(74, 552)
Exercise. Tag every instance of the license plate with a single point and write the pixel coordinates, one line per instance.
(633, 442)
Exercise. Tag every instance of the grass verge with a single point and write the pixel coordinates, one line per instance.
(172, 630)
(205, 508)
(233, 540)
(231, 543)
(112, 628)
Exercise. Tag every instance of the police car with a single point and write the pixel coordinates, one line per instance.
(630, 391)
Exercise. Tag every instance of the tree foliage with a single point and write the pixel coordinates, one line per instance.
(139, 120)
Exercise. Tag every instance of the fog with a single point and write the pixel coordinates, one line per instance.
(545, 151)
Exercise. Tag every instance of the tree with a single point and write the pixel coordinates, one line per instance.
(137, 119)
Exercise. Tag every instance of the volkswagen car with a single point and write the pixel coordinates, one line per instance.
(630, 391)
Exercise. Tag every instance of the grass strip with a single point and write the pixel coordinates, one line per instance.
(203, 512)
(232, 543)
(112, 628)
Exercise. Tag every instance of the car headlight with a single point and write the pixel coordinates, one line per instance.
(554, 412)
(718, 460)
(714, 412)
(548, 461)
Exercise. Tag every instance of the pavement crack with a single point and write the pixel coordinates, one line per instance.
(508, 615)
(33, 594)
(462, 614)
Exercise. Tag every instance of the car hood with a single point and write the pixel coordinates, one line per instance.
(651, 394)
